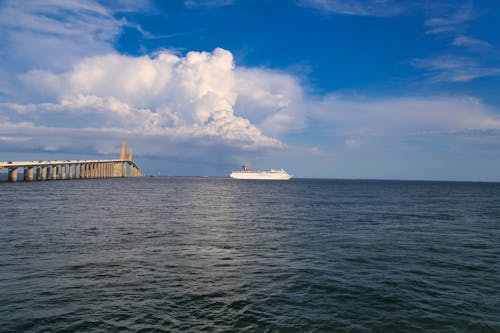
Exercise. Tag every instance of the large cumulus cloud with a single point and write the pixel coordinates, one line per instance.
(190, 98)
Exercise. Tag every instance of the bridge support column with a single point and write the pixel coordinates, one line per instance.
(28, 174)
(70, 172)
(43, 174)
(12, 174)
(38, 174)
(63, 171)
(55, 171)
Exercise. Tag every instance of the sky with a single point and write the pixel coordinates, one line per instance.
(374, 89)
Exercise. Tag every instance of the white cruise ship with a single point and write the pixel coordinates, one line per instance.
(271, 174)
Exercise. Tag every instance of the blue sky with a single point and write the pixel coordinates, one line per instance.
(323, 88)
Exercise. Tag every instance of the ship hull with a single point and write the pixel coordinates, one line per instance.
(264, 175)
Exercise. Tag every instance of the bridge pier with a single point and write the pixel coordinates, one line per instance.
(28, 174)
(63, 172)
(43, 174)
(12, 175)
(54, 172)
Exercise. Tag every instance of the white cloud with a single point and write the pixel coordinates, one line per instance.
(177, 98)
(273, 100)
(404, 116)
(207, 3)
(449, 68)
(53, 34)
(202, 101)
(471, 42)
(452, 21)
(379, 8)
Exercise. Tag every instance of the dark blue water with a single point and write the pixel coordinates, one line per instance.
(208, 254)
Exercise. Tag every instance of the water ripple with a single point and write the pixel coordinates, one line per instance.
(205, 254)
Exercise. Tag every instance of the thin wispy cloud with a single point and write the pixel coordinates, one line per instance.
(452, 21)
(207, 3)
(378, 8)
(472, 43)
(450, 68)
(48, 34)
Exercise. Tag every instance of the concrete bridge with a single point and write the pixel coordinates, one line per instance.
(75, 169)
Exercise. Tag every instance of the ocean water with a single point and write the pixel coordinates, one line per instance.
(169, 254)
